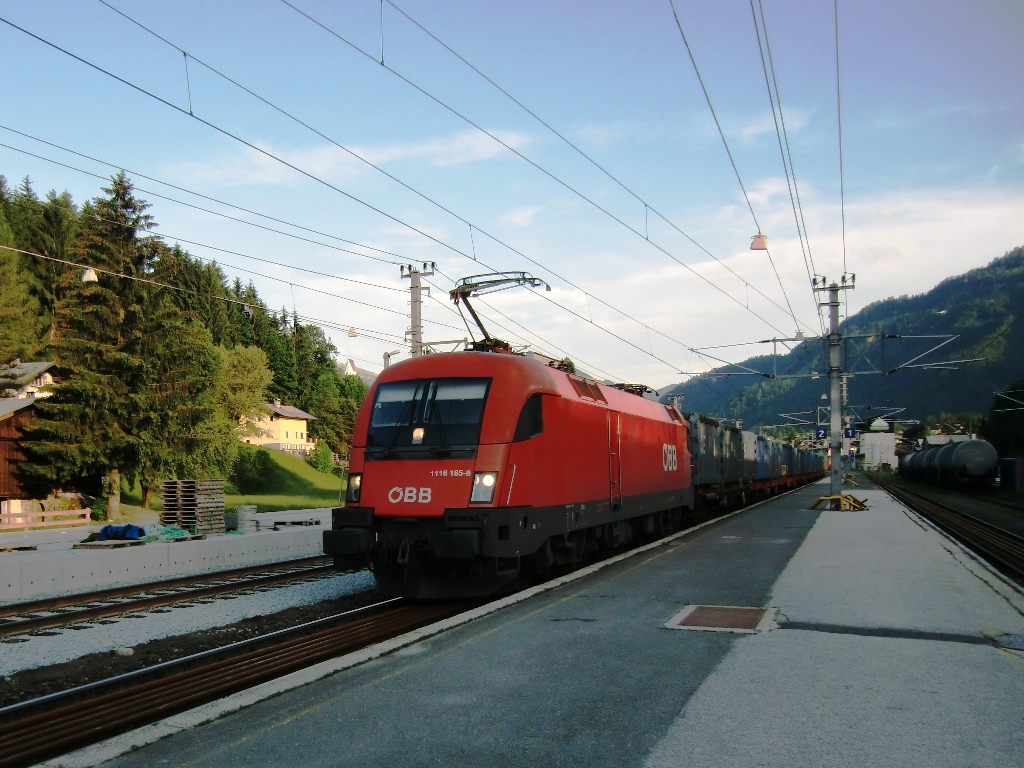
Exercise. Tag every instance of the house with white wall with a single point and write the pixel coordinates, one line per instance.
(284, 428)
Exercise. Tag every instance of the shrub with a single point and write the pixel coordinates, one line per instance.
(320, 458)
(253, 469)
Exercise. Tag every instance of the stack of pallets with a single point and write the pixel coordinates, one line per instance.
(193, 503)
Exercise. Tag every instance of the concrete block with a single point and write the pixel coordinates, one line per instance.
(10, 582)
(119, 565)
(309, 542)
(282, 545)
(235, 552)
(182, 558)
(151, 562)
(210, 554)
(41, 576)
(258, 549)
(84, 571)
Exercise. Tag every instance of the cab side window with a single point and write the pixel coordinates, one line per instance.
(531, 420)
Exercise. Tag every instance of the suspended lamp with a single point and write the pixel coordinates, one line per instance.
(759, 242)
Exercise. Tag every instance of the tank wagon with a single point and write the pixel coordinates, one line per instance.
(469, 469)
(966, 461)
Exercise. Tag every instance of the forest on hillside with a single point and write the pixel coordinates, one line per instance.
(155, 380)
(981, 308)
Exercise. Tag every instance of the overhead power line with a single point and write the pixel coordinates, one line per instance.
(537, 166)
(150, 281)
(774, 99)
(839, 124)
(544, 341)
(307, 174)
(647, 205)
(714, 116)
(721, 133)
(183, 189)
(313, 177)
(193, 206)
(425, 197)
(785, 137)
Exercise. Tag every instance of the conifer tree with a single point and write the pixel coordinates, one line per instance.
(18, 308)
(138, 377)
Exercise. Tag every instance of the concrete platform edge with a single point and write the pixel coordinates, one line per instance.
(103, 751)
(1016, 592)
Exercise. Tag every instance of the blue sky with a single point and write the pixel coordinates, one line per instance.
(933, 153)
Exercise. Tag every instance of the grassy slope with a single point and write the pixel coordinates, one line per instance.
(296, 486)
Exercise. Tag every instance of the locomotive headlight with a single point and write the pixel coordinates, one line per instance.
(483, 487)
(417, 435)
(355, 487)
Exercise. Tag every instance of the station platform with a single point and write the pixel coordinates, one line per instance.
(57, 569)
(893, 646)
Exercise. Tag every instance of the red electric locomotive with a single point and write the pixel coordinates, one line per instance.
(470, 468)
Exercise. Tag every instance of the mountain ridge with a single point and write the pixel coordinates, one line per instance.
(979, 307)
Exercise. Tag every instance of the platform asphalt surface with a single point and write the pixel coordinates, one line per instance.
(583, 675)
(899, 651)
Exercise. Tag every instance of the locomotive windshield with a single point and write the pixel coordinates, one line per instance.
(426, 419)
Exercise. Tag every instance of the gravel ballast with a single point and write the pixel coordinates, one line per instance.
(63, 644)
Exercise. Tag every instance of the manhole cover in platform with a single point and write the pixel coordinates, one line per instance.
(724, 618)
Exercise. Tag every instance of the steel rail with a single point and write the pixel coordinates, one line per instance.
(74, 723)
(83, 607)
(150, 586)
(117, 679)
(1002, 547)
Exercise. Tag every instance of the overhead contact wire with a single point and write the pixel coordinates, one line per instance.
(538, 167)
(839, 125)
(790, 183)
(348, 195)
(732, 161)
(647, 206)
(149, 281)
(193, 206)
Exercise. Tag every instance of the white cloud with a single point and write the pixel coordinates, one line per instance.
(604, 136)
(897, 118)
(463, 147)
(243, 168)
(520, 218)
(327, 161)
(897, 242)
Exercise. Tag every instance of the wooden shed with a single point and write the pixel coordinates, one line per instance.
(14, 412)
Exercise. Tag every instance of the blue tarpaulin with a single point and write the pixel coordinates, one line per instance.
(131, 532)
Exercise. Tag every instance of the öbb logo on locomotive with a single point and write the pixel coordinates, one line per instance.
(669, 458)
(410, 494)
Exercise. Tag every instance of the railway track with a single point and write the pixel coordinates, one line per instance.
(57, 723)
(1001, 547)
(52, 725)
(40, 615)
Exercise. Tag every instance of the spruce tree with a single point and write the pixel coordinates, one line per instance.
(137, 376)
(18, 308)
